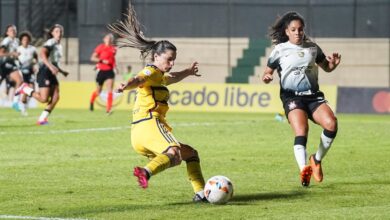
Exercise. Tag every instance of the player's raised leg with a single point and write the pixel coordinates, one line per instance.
(170, 158)
(325, 117)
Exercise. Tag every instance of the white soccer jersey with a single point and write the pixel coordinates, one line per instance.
(11, 44)
(55, 50)
(26, 55)
(296, 65)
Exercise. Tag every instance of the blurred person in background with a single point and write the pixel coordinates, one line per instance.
(104, 57)
(28, 57)
(9, 63)
(49, 90)
(128, 74)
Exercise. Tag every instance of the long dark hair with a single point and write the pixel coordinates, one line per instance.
(6, 29)
(131, 36)
(49, 34)
(278, 30)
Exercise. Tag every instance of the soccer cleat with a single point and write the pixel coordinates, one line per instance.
(306, 175)
(199, 199)
(317, 169)
(109, 112)
(91, 107)
(142, 176)
(44, 122)
(15, 106)
(24, 113)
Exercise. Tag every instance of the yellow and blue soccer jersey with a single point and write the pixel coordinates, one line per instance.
(150, 133)
(152, 96)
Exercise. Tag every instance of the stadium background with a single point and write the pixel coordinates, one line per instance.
(229, 40)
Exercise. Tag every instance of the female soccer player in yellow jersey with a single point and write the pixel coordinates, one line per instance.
(150, 133)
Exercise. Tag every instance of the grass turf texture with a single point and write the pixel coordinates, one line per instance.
(64, 170)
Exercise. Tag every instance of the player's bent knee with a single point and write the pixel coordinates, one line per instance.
(331, 124)
(193, 157)
(174, 156)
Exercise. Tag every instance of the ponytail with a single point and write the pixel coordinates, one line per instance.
(129, 31)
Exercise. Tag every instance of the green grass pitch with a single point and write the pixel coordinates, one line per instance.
(80, 166)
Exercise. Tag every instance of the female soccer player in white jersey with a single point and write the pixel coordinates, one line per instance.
(49, 91)
(9, 68)
(296, 59)
(150, 133)
(28, 57)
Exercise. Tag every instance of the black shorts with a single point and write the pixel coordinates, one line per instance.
(7, 68)
(28, 74)
(46, 78)
(307, 103)
(103, 75)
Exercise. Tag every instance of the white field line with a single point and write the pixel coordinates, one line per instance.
(23, 118)
(185, 124)
(36, 218)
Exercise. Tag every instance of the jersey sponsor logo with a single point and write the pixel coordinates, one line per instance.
(301, 53)
(147, 72)
(300, 70)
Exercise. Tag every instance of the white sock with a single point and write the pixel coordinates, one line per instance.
(148, 171)
(44, 115)
(15, 99)
(300, 156)
(22, 107)
(323, 147)
(200, 193)
(28, 90)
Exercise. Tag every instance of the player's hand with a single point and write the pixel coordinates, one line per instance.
(194, 68)
(65, 73)
(120, 88)
(105, 61)
(267, 78)
(53, 69)
(334, 60)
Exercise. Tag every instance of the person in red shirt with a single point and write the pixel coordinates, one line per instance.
(104, 57)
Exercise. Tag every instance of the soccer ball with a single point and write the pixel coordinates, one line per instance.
(218, 190)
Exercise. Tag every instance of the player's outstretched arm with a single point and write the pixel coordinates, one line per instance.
(132, 83)
(175, 77)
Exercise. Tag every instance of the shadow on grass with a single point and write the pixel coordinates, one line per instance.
(267, 196)
(242, 199)
(237, 200)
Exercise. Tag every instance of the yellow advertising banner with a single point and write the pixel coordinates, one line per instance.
(192, 97)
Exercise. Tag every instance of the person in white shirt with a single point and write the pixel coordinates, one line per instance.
(48, 84)
(27, 56)
(9, 65)
(296, 59)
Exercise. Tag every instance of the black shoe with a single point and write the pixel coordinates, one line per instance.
(197, 198)
(91, 107)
